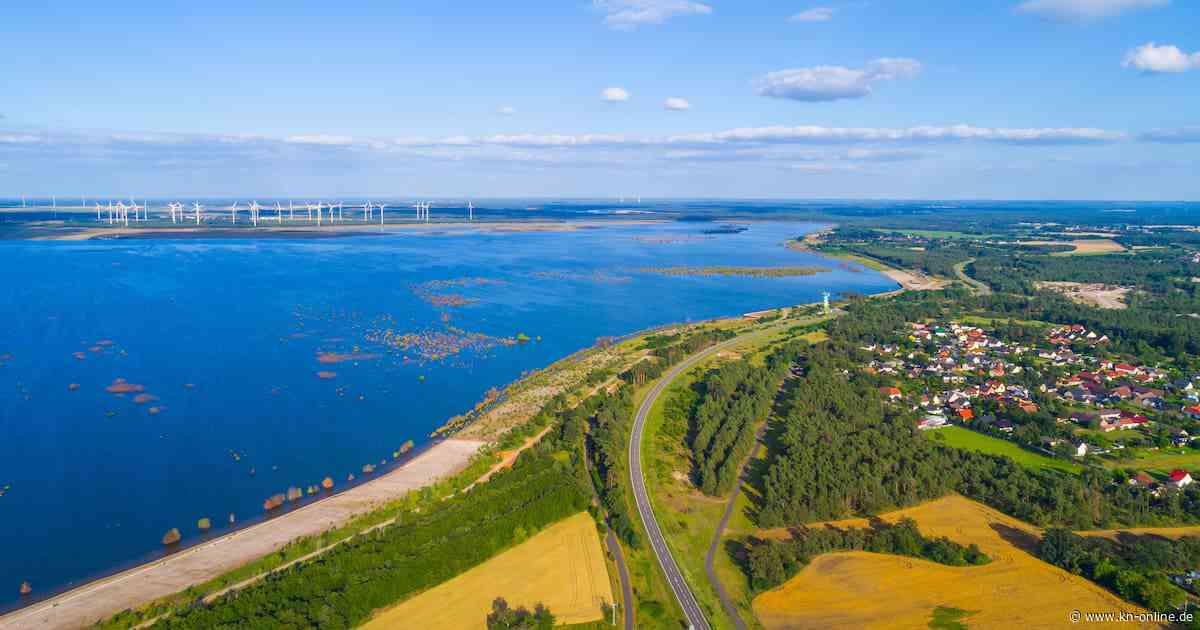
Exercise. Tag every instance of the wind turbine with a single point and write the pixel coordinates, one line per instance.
(197, 207)
(233, 212)
(254, 208)
(339, 212)
(278, 213)
(98, 211)
(291, 211)
(381, 207)
(367, 211)
(470, 212)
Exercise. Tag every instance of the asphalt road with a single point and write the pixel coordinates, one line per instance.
(614, 547)
(683, 593)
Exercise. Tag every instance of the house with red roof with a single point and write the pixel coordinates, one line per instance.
(1179, 478)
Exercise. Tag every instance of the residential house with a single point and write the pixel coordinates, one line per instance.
(1179, 478)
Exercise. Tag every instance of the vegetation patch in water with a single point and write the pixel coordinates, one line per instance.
(747, 272)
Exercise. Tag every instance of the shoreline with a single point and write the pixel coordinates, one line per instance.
(104, 597)
(330, 230)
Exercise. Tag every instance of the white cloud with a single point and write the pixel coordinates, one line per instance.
(507, 110)
(628, 15)
(14, 138)
(831, 83)
(815, 14)
(1086, 9)
(614, 94)
(863, 135)
(677, 104)
(1181, 135)
(1158, 59)
(321, 139)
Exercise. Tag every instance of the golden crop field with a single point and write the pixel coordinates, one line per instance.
(561, 567)
(1165, 532)
(1096, 246)
(866, 590)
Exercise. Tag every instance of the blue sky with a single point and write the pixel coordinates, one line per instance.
(1065, 99)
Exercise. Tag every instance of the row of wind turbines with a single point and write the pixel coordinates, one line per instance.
(319, 213)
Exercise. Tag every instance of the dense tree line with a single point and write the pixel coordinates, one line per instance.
(1133, 566)
(342, 587)
(773, 562)
(607, 420)
(734, 397)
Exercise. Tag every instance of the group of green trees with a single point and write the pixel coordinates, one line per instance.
(602, 423)
(734, 397)
(667, 350)
(503, 617)
(343, 586)
(1132, 566)
(773, 562)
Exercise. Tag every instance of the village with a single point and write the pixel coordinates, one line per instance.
(1059, 392)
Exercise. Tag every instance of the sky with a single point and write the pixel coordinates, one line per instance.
(891, 99)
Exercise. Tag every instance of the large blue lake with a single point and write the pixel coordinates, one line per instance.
(218, 344)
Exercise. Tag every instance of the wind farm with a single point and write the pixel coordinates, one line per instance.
(97, 216)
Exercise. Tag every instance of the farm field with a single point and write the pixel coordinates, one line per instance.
(958, 437)
(1083, 247)
(561, 567)
(866, 590)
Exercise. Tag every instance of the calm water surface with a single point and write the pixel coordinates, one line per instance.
(223, 338)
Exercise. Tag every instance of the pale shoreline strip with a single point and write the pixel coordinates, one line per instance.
(99, 600)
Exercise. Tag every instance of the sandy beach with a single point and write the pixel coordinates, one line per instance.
(103, 598)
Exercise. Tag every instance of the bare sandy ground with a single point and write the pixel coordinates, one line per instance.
(101, 599)
(1098, 295)
(311, 230)
(914, 280)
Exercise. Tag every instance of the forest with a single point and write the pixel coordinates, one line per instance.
(733, 399)
(602, 423)
(1132, 566)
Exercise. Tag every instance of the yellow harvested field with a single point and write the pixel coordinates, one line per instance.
(866, 590)
(1096, 246)
(1163, 532)
(561, 567)
(1083, 246)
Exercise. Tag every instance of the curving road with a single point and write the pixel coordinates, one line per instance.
(683, 594)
